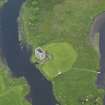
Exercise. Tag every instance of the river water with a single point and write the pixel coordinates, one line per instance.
(18, 59)
(101, 76)
(99, 26)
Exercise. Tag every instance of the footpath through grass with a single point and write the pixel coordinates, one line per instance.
(65, 21)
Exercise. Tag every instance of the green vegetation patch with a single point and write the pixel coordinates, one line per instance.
(49, 21)
(77, 87)
(2, 2)
(12, 90)
(43, 22)
(61, 58)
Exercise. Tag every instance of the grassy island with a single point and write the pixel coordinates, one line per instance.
(61, 27)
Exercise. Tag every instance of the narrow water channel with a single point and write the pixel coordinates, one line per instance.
(18, 59)
(101, 76)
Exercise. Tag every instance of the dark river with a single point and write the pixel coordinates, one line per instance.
(101, 76)
(18, 59)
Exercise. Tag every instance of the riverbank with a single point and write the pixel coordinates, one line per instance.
(13, 90)
(43, 23)
(96, 26)
(2, 2)
(97, 38)
(18, 57)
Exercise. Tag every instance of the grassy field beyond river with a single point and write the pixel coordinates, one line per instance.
(13, 91)
(61, 27)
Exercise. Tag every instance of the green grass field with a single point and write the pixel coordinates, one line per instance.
(58, 21)
(62, 58)
(67, 21)
(72, 86)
